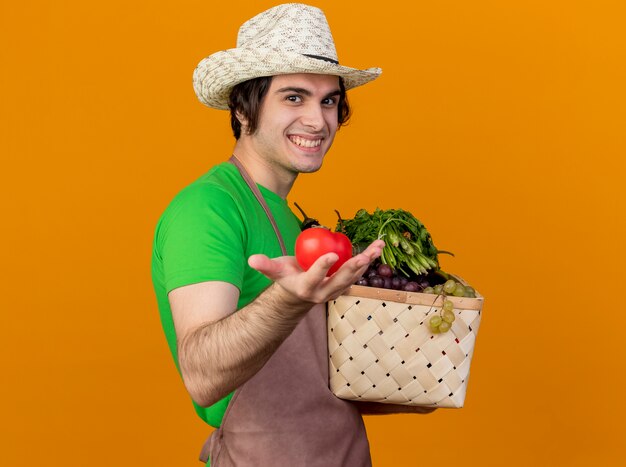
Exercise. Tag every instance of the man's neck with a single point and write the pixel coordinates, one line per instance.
(273, 178)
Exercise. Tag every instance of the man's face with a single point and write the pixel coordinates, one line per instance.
(297, 122)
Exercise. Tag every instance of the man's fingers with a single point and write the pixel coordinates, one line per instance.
(266, 266)
(362, 260)
(374, 250)
(354, 268)
(318, 270)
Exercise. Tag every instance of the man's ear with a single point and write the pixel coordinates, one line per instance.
(242, 120)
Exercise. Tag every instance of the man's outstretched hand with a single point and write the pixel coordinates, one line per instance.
(313, 286)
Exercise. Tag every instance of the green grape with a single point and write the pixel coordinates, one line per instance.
(434, 322)
(459, 290)
(438, 289)
(444, 326)
(448, 317)
(428, 290)
(449, 286)
(448, 305)
(469, 292)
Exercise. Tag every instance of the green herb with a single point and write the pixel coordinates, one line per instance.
(408, 244)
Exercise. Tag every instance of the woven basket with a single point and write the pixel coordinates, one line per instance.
(381, 348)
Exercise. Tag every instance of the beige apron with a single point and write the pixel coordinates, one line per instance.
(285, 415)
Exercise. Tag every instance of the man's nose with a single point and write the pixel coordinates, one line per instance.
(313, 117)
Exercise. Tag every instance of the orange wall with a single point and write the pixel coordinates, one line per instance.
(501, 125)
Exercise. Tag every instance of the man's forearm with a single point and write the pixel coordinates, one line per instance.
(218, 357)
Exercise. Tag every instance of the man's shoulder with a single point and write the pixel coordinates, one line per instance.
(220, 178)
(214, 199)
(218, 187)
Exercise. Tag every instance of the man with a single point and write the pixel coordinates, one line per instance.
(248, 332)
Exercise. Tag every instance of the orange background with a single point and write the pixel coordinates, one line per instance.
(501, 125)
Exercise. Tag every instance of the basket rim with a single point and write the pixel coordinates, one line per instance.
(414, 298)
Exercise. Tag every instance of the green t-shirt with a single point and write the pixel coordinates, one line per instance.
(207, 233)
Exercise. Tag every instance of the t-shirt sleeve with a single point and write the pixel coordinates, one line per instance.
(201, 238)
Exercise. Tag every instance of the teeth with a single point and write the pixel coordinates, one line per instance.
(305, 143)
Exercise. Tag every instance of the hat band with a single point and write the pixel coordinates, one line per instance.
(318, 57)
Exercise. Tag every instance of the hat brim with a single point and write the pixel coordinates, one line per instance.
(216, 75)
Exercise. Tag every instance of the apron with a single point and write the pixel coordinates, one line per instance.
(285, 415)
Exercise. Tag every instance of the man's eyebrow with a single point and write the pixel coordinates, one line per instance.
(306, 92)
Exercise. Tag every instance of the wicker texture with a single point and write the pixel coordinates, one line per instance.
(384, 351)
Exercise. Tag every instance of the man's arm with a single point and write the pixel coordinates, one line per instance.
(219, 350)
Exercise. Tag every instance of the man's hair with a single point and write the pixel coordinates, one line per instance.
(246, 99)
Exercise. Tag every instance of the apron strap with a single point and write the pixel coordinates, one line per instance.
(206, 449)
(255, 190)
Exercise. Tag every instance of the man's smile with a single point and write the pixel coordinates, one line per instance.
(306, 142)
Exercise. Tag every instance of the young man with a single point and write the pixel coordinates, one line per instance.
(248, 332)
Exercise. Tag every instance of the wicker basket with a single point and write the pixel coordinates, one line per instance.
(381, 348)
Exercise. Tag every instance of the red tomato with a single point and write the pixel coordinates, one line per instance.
(317, 241)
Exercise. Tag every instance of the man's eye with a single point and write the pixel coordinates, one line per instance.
(329, 101)
(294, 98)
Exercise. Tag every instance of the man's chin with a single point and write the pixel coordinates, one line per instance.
(308, 168)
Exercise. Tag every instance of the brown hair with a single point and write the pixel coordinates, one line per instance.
(246, 99)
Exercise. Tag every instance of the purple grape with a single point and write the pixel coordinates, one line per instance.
(362, 281)
(396, 283)
(384, 270)
(403, 281)
(371, 273)
(412, 287)
(376, 281)
(387, 282)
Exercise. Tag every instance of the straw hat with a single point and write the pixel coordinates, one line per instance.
(289, 38)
